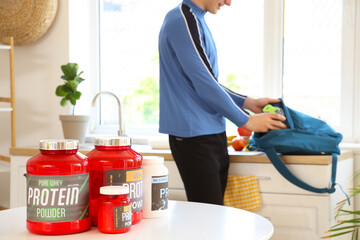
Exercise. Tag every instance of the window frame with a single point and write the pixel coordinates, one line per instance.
(349, 78)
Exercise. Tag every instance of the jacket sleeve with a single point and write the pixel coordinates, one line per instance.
(239, 99)
(186, 44)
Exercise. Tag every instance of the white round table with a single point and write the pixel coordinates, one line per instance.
(185, 221)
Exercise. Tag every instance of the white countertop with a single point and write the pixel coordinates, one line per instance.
(240, 156)
(185, 221)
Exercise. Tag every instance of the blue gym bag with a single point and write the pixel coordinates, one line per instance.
(305, 135)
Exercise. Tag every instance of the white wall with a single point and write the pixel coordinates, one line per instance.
(37, 74)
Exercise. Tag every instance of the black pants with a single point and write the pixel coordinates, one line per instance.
(203, 163)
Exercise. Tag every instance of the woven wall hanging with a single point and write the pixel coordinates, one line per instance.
(26, 20)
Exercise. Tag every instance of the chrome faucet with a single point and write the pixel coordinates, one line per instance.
(121, 132)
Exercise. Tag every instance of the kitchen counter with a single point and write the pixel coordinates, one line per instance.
(238, 157)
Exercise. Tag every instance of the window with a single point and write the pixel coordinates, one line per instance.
(129, 54)
(312, 57)
(239, 35)
(302, 51)
(129, 64)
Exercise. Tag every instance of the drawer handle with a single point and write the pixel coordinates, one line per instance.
(263, 178)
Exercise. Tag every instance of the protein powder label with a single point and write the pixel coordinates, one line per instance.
(159, 193)
(122, 217)
(60, 198)
(133, 179)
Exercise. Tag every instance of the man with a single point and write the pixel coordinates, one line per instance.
(193, 104)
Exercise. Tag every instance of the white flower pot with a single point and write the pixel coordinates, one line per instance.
(75, 126)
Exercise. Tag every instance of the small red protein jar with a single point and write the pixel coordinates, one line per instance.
(114, 215)
(58, 189)
(114, 163)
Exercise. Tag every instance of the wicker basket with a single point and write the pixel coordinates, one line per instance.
(26, 20)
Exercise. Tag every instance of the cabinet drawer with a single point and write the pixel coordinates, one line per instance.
(271, 181)
(296, 217)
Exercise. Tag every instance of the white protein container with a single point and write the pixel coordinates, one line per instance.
(155, 187)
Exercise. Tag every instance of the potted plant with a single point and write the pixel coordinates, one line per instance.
(74, 126)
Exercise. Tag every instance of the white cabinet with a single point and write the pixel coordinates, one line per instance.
(10, 100)
(18, 181)
(296, 216)
(4, 184)
(295, 213)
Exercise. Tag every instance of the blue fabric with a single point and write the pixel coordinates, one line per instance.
(192, 102)
(305, 135)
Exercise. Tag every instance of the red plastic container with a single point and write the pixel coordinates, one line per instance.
(114, 163)
(114, 214)
(58, 189)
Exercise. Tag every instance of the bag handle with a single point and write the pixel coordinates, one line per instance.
(286, 173)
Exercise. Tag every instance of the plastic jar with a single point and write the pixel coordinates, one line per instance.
(156, 193)
(57, 189)
(114, 163)
(114, 214)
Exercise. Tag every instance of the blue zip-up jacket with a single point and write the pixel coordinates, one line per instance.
(192, 102)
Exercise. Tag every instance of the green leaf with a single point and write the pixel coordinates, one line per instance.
(342, 228)
(77, 95)
(350, 212)
(79, 79)
(72, 99)
(80, 73)
(72, 84)
(70, 70)
(354, 220)
(337, 234)
(63, 90)
(63, 102)
(69, 89)
(59, 92)
(357, 234)
(66, 89)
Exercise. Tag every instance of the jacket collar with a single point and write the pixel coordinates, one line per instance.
(195, 8)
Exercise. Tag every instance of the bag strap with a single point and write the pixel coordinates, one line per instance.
(286, 173)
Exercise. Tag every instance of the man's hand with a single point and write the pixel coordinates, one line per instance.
(265, 121)
(257, 105)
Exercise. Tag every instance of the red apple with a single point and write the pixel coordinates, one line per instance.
(238, 143)
(244, 132)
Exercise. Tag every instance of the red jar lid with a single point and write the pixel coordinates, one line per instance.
(56, 144)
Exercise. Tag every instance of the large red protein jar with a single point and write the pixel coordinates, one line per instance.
(114, 163)
(58, 189)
